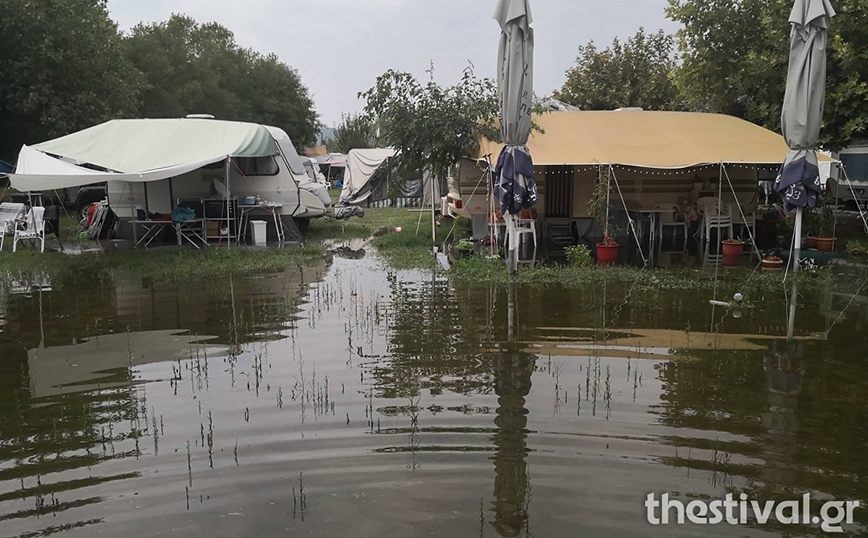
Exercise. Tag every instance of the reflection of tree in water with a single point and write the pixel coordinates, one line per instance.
(512, 491)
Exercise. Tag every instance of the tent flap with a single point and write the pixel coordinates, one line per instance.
(362, 164)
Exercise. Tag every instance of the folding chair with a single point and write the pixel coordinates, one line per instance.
(33, 229)
(9, 215)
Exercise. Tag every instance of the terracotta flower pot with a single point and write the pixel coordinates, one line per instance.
(825, 244)
(773, 265)
(731, 250)
(810, 242)
(607, 254)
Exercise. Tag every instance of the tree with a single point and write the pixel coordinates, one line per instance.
(432, 126)
(62, 68)
(357, 131)
(637, 73)
(199, 68)
(735, 57)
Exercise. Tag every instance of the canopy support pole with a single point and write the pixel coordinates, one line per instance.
(741, 212)
(855, 198)
(226, 206)
(630, 220)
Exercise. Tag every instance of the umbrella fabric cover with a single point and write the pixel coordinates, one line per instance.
(799, 181)
(516, 185)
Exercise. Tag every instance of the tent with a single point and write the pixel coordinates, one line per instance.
(645, 139)
(137, 151)
(361, 181)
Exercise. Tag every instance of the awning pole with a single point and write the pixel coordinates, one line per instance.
(226, 207)
(855, 198)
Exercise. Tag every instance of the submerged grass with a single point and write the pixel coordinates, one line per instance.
(163, 265)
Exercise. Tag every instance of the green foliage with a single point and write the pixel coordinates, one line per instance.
(598, 206)
(432, 126)
(579, 256)
(735, 57)
(758, 284)
(464, 246)
(62, 68)
(825, 215)
(199, 68)
(857, 248)
(356, 131)
(636, 73)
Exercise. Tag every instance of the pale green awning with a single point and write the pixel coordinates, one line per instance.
(138, 151)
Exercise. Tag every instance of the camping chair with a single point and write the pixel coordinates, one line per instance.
(714, 215)
(667, 218)
(32, 229)
(9, 215)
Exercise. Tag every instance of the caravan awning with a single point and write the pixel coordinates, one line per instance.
(649, 140)
(137, 151)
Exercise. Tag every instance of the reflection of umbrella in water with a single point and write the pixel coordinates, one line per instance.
(799, 181)
(513, 372)
(516, 186)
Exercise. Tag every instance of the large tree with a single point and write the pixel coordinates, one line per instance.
(199, 68)
(62, 68)
(735, 58)
(636, 73)
(356, 131)
(432, 126)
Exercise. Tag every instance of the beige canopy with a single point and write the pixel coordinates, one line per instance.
(648, 139)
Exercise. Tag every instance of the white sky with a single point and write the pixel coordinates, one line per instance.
(340, 46)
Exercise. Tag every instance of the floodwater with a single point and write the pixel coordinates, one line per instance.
(348, 399)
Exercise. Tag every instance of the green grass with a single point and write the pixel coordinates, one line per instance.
(163, 265)
(742, 280)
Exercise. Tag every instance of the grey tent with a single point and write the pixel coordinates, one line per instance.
(799, 181)
(516, 186)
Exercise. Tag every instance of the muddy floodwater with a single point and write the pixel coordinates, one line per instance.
(348, 399)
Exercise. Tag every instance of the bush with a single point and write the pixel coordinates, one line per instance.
(857, 248)
(579, 256)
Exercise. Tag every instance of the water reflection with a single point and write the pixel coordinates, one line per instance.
(402, 404)
(512, 493)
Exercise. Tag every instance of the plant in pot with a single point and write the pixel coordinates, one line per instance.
(733, 247)
(810, 223)
(598, 207)
(773, 263)
(579, 256)
(825, 216)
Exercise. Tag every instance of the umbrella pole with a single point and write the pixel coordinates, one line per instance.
(433, 218)
(791, 318)
(797, 240)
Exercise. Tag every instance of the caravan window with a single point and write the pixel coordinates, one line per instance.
(856, 165)
(257, 166)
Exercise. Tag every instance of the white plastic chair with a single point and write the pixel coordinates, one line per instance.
(32, 230)
(668, 219)
(524, 227)
(749, 220)
(714, 215)
(9, 215)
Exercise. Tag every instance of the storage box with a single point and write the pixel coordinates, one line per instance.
(258, 229)
(212, 228)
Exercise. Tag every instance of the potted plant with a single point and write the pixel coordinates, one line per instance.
(607, 249)
(463, 248)
(773, 263)
(579, 256)
(825, 216)
(733, 247)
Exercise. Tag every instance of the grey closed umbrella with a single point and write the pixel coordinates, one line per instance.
(799, 181)
(515, 184)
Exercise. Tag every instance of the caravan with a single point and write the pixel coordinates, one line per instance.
(152, 165)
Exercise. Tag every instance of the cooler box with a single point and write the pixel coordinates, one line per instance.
(258, 229)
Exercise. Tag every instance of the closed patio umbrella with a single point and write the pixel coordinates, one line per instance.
(799, 181)
(515, 184)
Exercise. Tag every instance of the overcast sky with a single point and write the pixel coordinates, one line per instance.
(340, 46)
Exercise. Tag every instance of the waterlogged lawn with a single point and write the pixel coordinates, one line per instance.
(162, 265)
